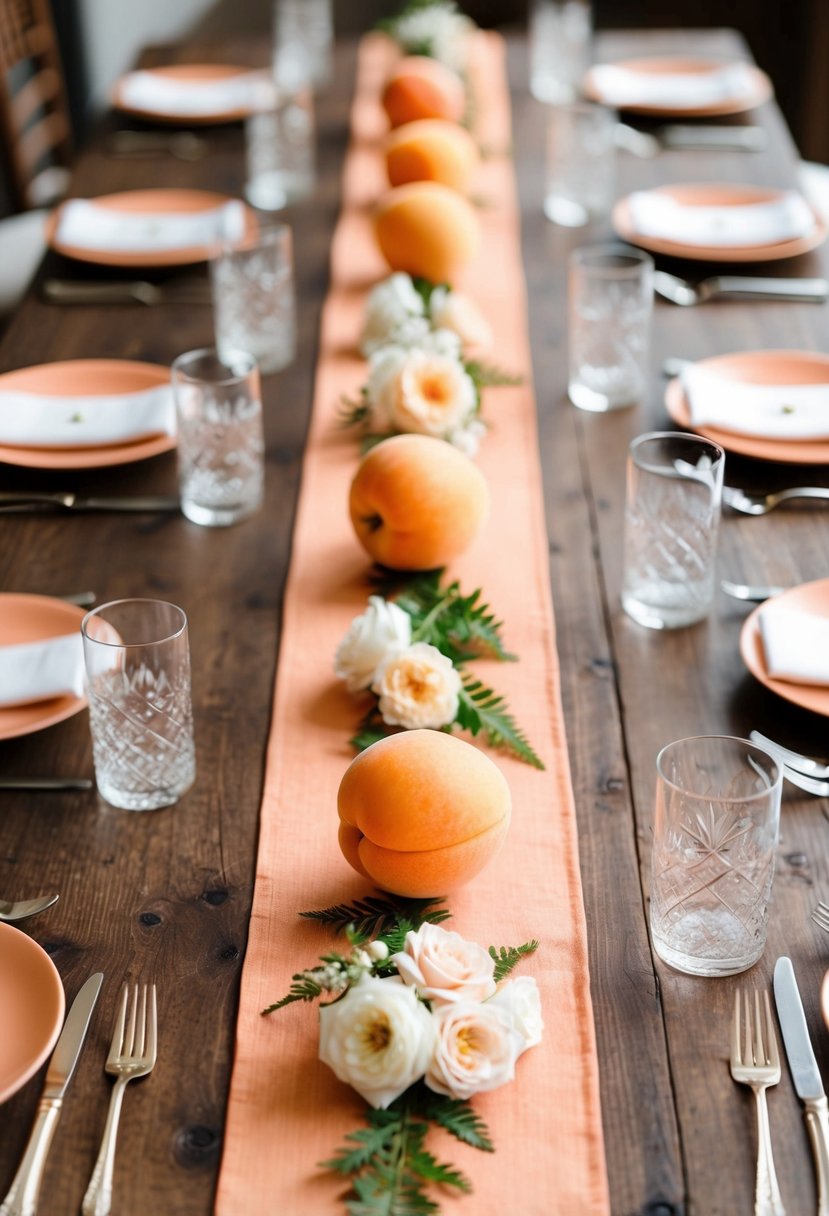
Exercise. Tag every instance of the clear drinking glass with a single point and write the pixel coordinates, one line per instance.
(303, 33)
(581, 162)
(715, 833)
(279, 148)
(253, 300)
(220, 439)
(610, 300)
(672, 517)
(559, 42)
(138, 681)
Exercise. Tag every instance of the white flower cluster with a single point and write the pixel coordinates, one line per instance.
(441, 1018)
(416, 684)
(396, 312)
(438, 27)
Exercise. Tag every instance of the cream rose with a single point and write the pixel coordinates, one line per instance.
(476, 1050)
(394, 313)
(520, 1003)
(453, 311)
(417, 687)
(378, 1038)
(383, 629)
(434, 396)
(441, 28)
(444, 967)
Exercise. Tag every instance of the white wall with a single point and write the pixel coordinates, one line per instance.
(115, 30)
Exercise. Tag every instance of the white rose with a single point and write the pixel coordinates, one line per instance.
(520, 1002)
(417, 687)
(393, 307)
(476, 1050)
(467, 438)
(382, 628)
(443, 967)
(441, 28)
(383, 385)
(434, 396)
(453, 311)
(442, 342)
(378, 1038)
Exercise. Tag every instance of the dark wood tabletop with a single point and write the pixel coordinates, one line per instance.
(166, 895)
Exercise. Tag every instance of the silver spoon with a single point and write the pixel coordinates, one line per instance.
(19, 909)
(752, 593)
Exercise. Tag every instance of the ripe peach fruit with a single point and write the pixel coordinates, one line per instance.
(422, 812)
(432, 150)
(427, 229)
(420, 87)
(417, 502)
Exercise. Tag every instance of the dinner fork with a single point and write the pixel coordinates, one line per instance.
(755, 1062)
(796, 760)
(132, 1054)
(761, 504)
(680, 291)
(820, 915)
(751, 593)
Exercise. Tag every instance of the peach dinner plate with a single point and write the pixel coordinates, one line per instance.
(84, 378)
(717, 195)
(196, 73)
(761, 367)
(759, 90)
(808, 597)
(824, 999)
(166, 201)
(32, 1004)
(33, 618)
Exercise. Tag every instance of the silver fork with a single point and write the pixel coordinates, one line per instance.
(132, 1054)
(755, 1062)
(761, 504)
(795, 760)
(820, 915)
(680, 291)
(752, 593)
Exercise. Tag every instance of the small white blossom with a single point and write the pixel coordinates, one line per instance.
(377, 951)
(417, 687)
(451, 310)
(381, 630)
(441, 28)
(395, 312)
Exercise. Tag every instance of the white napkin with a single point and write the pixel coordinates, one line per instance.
(38, 671)
(783, 218)
(771, 411)
(796, 645)
(32, 420)
(191, 98)
(87, 225)
(622, 86)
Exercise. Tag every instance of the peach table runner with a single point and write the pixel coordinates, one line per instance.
(286, 1110)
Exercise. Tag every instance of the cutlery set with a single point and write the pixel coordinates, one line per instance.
(132, 1054)
(127, 291)
(755, 287)
(17, 500)
(689, 137)
(807, 774)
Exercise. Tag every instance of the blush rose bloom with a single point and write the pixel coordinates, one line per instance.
(417, 687)
(394, 313)
(382, 629)
(444, 967)
(434, 395)
(476, 1050)
(378, 1038)
(456, 312)
(520, 1003)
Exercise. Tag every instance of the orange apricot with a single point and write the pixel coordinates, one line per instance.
(432, 150)
(422, 812)
(427, 229)
(420, 87)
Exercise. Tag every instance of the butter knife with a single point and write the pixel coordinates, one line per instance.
(20, 499)
(805, 1074)
(23, 1193)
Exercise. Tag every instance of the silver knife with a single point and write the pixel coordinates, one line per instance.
(23, 1193)
(805, 1074)
(707, 137)
(45, 783)
(16, 500)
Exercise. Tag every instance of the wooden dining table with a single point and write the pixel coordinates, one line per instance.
(166, 895)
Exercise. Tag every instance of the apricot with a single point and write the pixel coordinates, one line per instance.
(417, 502)
(422, 812)
(432, 150)
(420, 87)
(427, 229)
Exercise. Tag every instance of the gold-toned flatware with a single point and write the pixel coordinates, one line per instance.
(755, 1061)
(22, 909)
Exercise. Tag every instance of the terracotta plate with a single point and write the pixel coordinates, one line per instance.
(759, 367)
(86, 378)
(760, 86)
(189, 72)
(717, 195)
(31, 1009)
(33, 618)
(165, 201)
(809, 597)
(824, 999)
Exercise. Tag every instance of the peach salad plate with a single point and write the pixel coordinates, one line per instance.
(751, 86)
(86, 378)
(808, 597)
(212, 78)
(760, 367)
(35, 618)
(32, 1004)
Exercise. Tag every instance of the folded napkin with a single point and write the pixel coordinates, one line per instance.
(32, 420)
(88, 225)
(38, 671)
(770, 411)
(796, 645)
(783, 218)
(623, 86)
(181, 98)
